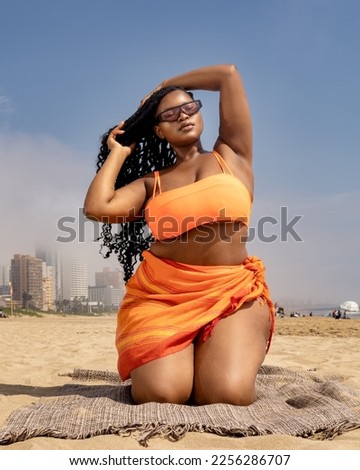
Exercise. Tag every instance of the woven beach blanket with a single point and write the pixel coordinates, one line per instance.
(97, 402)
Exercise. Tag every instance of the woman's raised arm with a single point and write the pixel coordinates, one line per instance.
(235, 128)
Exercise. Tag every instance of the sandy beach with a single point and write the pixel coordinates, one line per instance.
(36, 351)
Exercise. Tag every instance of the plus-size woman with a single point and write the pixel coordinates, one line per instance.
(196, 320)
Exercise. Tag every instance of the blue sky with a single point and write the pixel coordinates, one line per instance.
(71, 69)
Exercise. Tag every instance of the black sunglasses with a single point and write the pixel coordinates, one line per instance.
(172, 114)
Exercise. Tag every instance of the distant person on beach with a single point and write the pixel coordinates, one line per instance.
(280, 311)
(2, 314)
(197, 319)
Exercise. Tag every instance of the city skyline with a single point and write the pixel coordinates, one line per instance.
(29, 280)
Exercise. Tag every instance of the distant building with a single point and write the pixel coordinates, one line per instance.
(74, 279)
(4, 275)
(27, 280)
(106, 297)
(108, 290)
(51, 258)
(48, 288)
(4, 280)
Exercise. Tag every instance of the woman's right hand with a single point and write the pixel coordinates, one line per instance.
(112, 143)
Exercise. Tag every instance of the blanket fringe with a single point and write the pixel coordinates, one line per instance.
(337, 430)
(175, 433)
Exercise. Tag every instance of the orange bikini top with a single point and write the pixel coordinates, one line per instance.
(217, 198)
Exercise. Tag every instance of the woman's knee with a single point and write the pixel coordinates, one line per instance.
(160, 393)
(238, 393)
(160, 380)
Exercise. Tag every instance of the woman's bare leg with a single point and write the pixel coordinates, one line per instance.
(227, 363)
(165, 380)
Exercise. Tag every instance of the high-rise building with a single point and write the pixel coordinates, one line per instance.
(51, 258)
(4, 280)
(48, 286)
(74, 278)
(27, 280)
(4, 275)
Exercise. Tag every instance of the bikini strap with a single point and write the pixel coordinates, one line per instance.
(222, 162)
(157, 183)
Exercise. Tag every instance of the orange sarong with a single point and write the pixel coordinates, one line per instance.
(167, 304)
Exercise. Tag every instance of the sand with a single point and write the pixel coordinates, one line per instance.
(34, 351)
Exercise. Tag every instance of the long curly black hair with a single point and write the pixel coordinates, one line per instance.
(150, 154)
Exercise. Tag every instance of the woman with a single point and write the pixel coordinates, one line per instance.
(197, 319)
